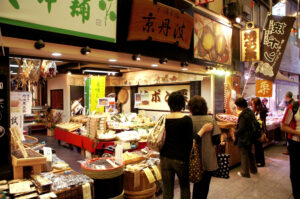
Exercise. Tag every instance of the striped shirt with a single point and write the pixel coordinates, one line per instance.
(292, 121)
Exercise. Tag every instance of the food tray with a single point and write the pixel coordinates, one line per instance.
(30, 141)
(229, 117)
(34, 158)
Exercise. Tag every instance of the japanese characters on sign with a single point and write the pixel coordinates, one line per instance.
(84, 18)
(276, 33)
(156, 97)
(250, 44)
(161, 23)
(264, 88)
(21, 102)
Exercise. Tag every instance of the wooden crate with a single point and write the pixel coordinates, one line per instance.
(130, 184)
(35, 162)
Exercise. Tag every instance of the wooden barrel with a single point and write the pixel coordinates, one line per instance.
(144, 194)
(131, 185)
(108, 183)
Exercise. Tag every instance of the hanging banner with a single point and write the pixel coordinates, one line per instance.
(275, 37)
(200, 2)
(158, 22)
(250, 44)
(97, 91)
(212, 40)
(263, 88)
(95, 19)
(21, 102)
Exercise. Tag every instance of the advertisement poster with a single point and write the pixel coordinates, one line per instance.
(212, 40)
(137, 100)
(275, 37)
(21, 102)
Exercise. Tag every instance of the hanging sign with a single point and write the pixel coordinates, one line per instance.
(250, 44)
(95, 19)
(161, 23)
(200, 2)
(275, 37)
(263, 88)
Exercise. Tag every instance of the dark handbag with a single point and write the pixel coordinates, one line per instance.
(195, 167)
(223, 163)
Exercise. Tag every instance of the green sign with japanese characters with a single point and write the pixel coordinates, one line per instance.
(94, 19)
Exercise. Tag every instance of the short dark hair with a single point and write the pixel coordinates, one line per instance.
(241, 102)
(289, 94)
(176, 102)
(197, 105)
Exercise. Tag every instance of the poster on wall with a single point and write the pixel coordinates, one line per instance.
(212, 40)
(158, 96)
(137, 100)
(82, 18)
(159, 22)
(21, 102)
(276, 33)
(264, 88)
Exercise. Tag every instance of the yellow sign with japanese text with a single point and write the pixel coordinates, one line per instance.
(264, 88)
(97, 92)
(250, 44)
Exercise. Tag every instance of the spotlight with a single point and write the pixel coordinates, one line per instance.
(136, 57)
(85, 50)
(238, 20)
(39, 44)
(163, 60)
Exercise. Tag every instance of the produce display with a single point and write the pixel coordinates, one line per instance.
(129, 121)
(142, 165)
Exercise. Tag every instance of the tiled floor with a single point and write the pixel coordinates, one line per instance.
(272, 182)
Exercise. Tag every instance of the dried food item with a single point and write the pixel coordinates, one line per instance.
(31, 154)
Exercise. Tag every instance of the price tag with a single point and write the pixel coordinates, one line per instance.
(48, 153)
(86, 190)
(149, 175)
(157, 172)
(119, 154)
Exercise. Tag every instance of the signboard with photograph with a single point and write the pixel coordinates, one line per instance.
(275, 37)
(212, 40)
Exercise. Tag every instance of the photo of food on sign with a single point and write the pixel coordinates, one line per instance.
(212, 40)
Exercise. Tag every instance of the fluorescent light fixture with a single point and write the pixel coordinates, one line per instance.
(56, 54)
(154, 65)
(100, 71)
(112, 60)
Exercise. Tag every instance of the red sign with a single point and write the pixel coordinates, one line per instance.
(161, 23)
(200, 2)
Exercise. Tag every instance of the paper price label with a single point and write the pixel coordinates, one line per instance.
(149, 175)
(157, 173)
(48, 153)
(119, 154)
(86, 190)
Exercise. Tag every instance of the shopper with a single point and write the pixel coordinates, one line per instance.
(291, 125)
(177, 147)
(206, 137)
(261, 115)
(288, 99)
(243, 138)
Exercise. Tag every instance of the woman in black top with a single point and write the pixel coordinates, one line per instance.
(261, 114)
(175, 153)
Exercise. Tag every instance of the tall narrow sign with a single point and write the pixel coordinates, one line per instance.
(275, 37)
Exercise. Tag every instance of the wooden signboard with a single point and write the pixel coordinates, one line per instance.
(158, 22)
(263, 88)
(250, 44)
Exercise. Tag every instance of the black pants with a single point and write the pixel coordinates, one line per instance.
(259, 153)
(170, 167)
(294, 150)
(201, 189)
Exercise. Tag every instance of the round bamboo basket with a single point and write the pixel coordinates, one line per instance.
(145, 194)
(30, 141)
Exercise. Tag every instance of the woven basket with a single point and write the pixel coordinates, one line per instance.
(32, 143)
(218, 116)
